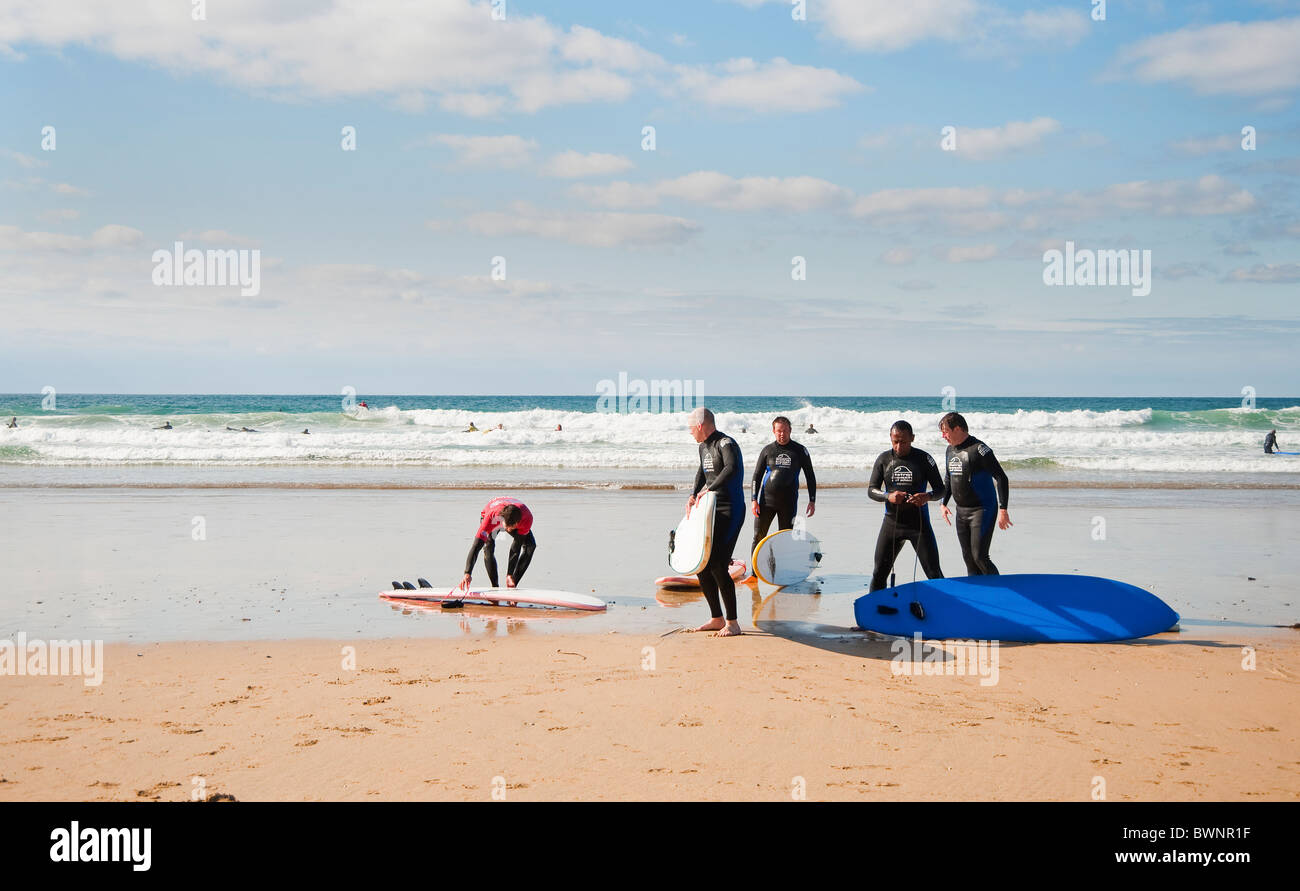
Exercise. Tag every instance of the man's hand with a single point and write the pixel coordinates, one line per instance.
(464, 583)
(919, 499)
(947, 515)
(812, 508)
(897, 497)
(755, 508)
(1004, 519)
(690, 503)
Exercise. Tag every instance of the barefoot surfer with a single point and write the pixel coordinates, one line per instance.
(516, 519)
(721, 472)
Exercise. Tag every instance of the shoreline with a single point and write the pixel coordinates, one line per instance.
(1104, 485)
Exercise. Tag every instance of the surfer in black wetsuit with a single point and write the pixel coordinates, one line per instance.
(775, 486)
(1270, 442)
(13, 423)
(976, 481)
(722, 472)
(899, 479)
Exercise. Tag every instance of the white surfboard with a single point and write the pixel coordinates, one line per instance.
(498, 597)
(787, 557)
(689, 543)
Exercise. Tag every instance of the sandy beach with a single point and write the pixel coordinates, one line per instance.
(601, 717)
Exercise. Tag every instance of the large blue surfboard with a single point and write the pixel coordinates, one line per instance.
(1282, 453)
(1030, 608)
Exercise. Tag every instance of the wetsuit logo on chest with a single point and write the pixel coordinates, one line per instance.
(708, 460)
(782, 460)
(955, 465)
(901, 475)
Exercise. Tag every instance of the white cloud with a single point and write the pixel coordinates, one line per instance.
(886, 25)
(486, 151)
(1209, 195)
(1059, 25)
(588, 229)
(25, 161)
(778, 85)
(220, 237)
(1243, 59)
(909, 201)
(1271, 273)
(992, 142)
(588, 46)
(1206, 146)
(12, 238)
(66, 189)
(472, 105)
(572, 165)
(794, 194)
(973, 253)
(898, 256)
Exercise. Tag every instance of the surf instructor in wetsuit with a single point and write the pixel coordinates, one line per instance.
(899, 479)
(515, 518)
(775, 486)
(976, 481)
(722, 472)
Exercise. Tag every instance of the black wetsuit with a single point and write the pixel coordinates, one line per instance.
(905, 522)
(977, 482)
(722, 471)
(1270, 442)
(521, 554)
(775, 486)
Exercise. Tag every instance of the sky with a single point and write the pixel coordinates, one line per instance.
(843, 197)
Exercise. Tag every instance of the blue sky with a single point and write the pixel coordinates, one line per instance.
(775, 139)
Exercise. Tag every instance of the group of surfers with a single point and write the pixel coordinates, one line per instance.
(904, 478)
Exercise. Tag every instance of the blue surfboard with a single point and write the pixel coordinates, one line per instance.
(1029, 608)
(1282, 453)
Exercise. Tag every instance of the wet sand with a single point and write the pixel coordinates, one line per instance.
(600, 717)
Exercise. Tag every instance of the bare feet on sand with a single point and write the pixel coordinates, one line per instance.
(721, 628)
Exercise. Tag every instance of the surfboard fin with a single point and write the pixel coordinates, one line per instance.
(886, 610)
(397, 586)
(408, 586)
(423, 583)
(817, 556)
(672, 540)
(916, 609)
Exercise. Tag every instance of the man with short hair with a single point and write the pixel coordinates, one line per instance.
(516, 519)
(775, 486)
(722, 472)
(1270, 442)
(976, 481)
(899, 479)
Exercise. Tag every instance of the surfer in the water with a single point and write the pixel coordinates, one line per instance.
(166, 426)
(1270, 442)
(514, 517)
(722, 472)
(775, 486)
(13, 422)
(899, 479)
(811, 429)
(976, 481)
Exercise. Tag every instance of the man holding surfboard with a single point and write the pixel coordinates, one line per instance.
(899, 479)
(977, 482)
(722, 472)
(775, 486)
(515, 518)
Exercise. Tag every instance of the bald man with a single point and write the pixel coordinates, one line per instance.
(722, 472)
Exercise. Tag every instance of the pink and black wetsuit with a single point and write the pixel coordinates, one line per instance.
(521, 549)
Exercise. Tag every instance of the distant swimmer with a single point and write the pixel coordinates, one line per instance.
(899, 479)
(1270, 442)
(775, 485)
(240, 429)
(811, 429)
(559, 428)
(362, 405)
(516, 519)
(722, 472)
(470, 429)
(306, 431)
(13, 422)
(501, 426)
(976, 481)
(167, 426)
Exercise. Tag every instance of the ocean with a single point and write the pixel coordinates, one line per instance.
(419, 441)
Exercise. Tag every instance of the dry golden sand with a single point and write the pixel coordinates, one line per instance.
(578, 717)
